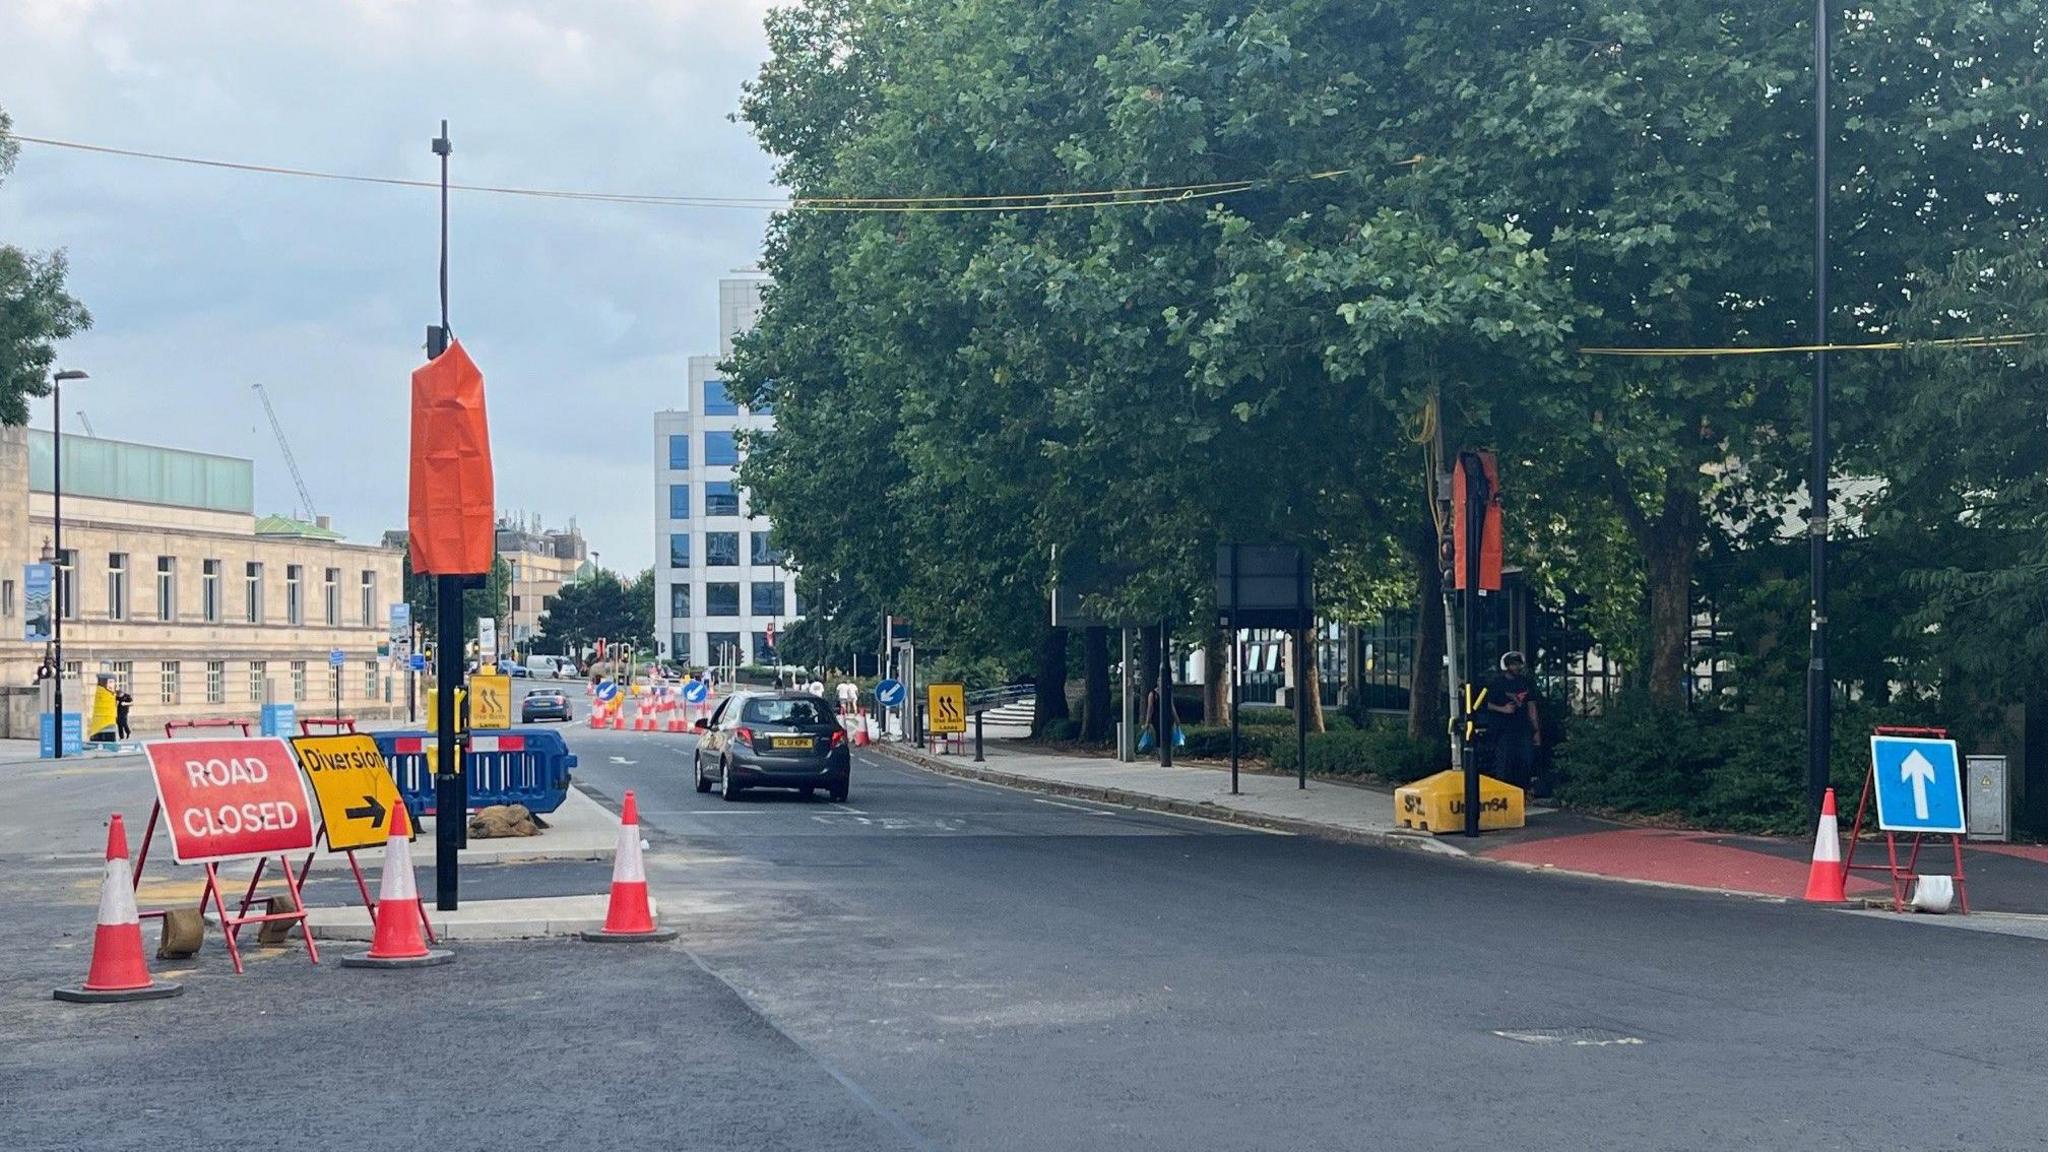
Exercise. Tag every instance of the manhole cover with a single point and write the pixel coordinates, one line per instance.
(1569, 1037)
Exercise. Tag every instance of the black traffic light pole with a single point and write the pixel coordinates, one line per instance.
(1819, 688)
(451, 795)
(1476, 500)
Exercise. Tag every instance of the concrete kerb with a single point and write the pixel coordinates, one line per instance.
(523, 918)
(1205, 810)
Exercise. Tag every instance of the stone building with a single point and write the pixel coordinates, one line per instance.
(542, 561)
(170, 582)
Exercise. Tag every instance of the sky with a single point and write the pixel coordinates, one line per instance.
(204, 282)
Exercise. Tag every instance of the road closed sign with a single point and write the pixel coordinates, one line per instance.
(230, 799)
(353, 787)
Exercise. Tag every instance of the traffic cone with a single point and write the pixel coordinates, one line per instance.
(118, 973)
(396, 941)
(1826, 881)
(628, 916)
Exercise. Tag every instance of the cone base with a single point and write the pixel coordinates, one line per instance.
(433, 957)
(155, 990)
(653, 936)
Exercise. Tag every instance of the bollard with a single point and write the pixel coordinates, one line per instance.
(977, 737)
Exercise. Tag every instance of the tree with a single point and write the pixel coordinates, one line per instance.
(35, 312)
(494, 599)
(601, 608)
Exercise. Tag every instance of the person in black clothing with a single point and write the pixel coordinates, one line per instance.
(1514, 725)
(123, 701)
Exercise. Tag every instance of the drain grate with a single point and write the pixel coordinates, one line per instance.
(1569, 1037)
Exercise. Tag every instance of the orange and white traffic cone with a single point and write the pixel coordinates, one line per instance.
(1827, 880)
(118, 973)
(396, 941)
(629, 916)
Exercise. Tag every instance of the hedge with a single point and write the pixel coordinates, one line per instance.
(1380, 751)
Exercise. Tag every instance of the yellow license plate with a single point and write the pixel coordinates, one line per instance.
(790, 742)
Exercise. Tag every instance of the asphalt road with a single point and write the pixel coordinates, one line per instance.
(941, 964)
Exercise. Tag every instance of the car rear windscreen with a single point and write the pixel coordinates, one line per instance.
(794, 710)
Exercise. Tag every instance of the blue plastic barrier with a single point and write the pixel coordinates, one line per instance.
(527, 766)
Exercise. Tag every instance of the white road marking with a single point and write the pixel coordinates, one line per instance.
(1071, 807)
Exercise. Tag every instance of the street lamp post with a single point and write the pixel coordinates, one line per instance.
(1819, 685)
(58, 599)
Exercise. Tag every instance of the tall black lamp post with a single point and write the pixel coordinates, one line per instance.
(58, 597)
(1819, 688)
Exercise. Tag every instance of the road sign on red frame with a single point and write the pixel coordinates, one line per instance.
(231, 799)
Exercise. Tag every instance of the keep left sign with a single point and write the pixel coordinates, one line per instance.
(231, 799)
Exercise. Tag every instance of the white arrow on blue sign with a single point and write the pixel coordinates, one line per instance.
(695, 691)
(607, 690)
(417, 661)
(335, 657)
(1919, 784)
(889, 693)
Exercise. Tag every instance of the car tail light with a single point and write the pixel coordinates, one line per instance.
(744, 735)
(838, 737)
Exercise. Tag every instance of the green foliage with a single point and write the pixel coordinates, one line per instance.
(1736, 771)
(494, 599)
(601, 608)
(1380, 752)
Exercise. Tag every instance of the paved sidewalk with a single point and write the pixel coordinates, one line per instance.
(2002, 878)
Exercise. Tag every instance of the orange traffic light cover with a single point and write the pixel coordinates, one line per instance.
(450, 525)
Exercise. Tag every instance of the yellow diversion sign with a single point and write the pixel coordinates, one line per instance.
(353, 786)
(490, 701)
(948, 708)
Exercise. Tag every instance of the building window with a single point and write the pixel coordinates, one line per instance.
(515, 603)
(216, 681)
(721, 599)
(294, 594)
(765, 553)
(763, 650)
(117, 585)
(299, 680)
(369, 679)
(74, 669)
(679, 549)
(330, 594)
(717, 402)
(166, 588)
(721, 448)
(209, 590)
(259, 671)
(169, 692)
(679, 452)
(252, 573)
(369, 599)
(679, 601)
(679, 647)
(721, 498)
(721, 549)
(725, 646)
(7, 598)
(67, 583)
(679, 501)
(767, 598)
(123, 672)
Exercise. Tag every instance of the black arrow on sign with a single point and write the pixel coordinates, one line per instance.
(373, 811)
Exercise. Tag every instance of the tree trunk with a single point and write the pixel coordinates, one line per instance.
(1669, 551)
(1312, 686)
(1215, 676)
(1428, 698)
(1148, 669)
(1098, 721)
(1050, 703)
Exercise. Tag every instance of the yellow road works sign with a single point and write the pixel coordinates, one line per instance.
(353, 786)
(490, 702)
(948, 708)
(1437, 804)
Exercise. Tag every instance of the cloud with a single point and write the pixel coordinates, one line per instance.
(204, 282)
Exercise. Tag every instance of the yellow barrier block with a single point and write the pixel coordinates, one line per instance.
(1437, 804)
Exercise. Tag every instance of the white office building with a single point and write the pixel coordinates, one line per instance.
(720, 586)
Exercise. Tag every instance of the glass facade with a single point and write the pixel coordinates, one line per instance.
(765, 553)
(144, 474)
(679, 549)
(724, 646)
(722, 599)
(679, 601)
(721, 448)
(721, 498)
(721, 549)
(679, 501)
(766, 599)
(717, 402)
(679, 452)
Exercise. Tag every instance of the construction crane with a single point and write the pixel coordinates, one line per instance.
(285, 447)
(87, 424)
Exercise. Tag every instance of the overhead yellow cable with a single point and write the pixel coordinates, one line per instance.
(1002, 202)
(2008, 340)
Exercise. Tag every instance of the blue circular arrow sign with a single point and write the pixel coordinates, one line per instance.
(889, 693)
(695, 691)
(607, 690)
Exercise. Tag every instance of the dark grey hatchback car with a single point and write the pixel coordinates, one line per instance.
(773, 740)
